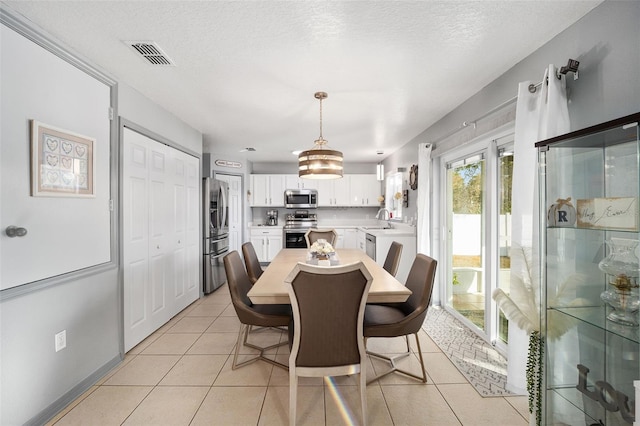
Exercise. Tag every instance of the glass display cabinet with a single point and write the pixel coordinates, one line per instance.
(589, 234)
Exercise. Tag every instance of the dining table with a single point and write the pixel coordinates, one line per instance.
(270, 287)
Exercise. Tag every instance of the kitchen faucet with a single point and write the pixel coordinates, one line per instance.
(386, 214)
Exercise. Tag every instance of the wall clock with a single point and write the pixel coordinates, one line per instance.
(413, 177)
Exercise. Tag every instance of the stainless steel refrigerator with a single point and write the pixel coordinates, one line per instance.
(215, 196)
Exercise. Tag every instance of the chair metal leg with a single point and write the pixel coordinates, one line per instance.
(243, 333)
(394, 359)
(293, 396)
(363, 393)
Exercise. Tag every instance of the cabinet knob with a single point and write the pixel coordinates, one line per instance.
(14, 231)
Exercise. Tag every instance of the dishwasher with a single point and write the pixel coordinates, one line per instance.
(370, 247)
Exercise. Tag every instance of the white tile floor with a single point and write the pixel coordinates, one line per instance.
(181, 375)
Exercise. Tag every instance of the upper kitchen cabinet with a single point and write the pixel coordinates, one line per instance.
(295, 182)
(365, 190)
(267, 190)
(334, 192)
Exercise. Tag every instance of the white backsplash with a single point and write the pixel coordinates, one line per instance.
(356, 216)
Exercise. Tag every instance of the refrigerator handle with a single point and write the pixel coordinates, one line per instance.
(225, 207)
(218, 256)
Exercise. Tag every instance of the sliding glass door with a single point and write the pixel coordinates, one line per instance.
(505, 175)
(476, 218)
(466, 200)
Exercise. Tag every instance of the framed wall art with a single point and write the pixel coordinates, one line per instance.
(62, 162)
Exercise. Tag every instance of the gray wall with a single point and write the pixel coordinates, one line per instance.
(36, 381)
(140, 110)
(606, 41)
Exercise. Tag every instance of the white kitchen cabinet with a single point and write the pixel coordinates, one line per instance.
(383, 240)
(267, 242)
(361, 240)
(350, 240)
(364, 190)
(295, 182)
(340, 241)
(267, 190)
(334, 192)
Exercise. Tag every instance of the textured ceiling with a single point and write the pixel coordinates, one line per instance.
(246, 71)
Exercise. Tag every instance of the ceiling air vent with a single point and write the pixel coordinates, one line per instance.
(151, 52)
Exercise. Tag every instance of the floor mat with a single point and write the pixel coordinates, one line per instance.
(478, 361)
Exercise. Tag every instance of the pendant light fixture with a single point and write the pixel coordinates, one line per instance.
(320, 162)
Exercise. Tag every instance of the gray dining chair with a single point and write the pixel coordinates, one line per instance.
(251, 262)
(251, 314)
(392, 261)
(328, 309)
(403, 319)
(313, 235)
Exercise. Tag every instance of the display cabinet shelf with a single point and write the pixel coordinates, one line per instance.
(597, 317)
(589, 193)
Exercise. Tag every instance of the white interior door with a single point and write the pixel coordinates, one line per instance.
(178, 200)
(235, 209)
(136, 241)
(184, 234)
(158, 231)
(193, 230)
(161, 234)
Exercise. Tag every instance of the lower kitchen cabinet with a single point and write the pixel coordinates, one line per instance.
(266, 242)
(383, 243)
(346, 238)
(361, 240)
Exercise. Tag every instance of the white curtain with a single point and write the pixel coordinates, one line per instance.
(539, 115)
(424, 199)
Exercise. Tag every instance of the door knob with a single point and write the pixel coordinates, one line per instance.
(14, 231)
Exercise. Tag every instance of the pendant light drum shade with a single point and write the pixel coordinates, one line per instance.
(320, 162)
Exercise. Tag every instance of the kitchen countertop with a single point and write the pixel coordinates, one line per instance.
(404, 231)
(374, 228)
(261, 226)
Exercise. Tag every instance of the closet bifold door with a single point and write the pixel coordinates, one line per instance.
(160, 234)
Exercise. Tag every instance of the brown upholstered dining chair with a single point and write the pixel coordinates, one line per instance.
(312, 235)
(251, 314)
(405, 318)
(251, 261)
(328, 309)
(392, 260)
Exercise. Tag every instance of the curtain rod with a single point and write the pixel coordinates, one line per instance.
(465, 124)
(571, 67)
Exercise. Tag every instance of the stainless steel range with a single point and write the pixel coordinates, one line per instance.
(296, 225)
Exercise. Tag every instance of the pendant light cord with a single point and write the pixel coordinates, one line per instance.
(320, 119)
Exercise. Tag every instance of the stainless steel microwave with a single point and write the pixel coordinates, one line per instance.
(301, 198)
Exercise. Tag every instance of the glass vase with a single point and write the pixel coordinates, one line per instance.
(623, 266)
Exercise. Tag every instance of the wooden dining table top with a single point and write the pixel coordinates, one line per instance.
(270, 287)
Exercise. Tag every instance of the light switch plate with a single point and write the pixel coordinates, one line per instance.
(61, 340)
